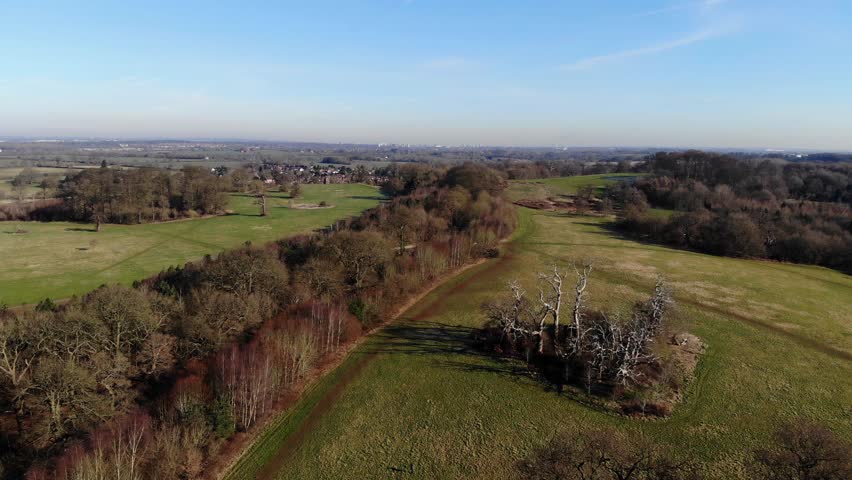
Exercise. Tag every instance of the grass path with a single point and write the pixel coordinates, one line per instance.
(61, 259)
(426, 405)
(540, 189)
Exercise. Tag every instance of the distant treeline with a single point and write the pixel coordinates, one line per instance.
(795, 212)
(136, 195)
(154, 379)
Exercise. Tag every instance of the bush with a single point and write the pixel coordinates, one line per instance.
(46, 305)
(222, 417)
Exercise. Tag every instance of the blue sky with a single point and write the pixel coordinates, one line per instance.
(697, 73)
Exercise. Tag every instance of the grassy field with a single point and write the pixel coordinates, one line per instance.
(548, 187)
(60, 259)
(418, 402)
(7, 193)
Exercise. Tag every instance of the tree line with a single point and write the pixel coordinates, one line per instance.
(800, 450)
(129, 196)
(152, 381)
(793, 212)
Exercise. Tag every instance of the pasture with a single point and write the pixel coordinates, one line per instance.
(61, 259)
(7, 191)
(417, 401)
(540, 189)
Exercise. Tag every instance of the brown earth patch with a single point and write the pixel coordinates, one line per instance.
(310, 206)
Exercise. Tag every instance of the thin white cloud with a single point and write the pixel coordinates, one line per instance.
(590, 62)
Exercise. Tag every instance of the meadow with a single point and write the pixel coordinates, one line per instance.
(7, 191)
(540, 189)
(415, 400)
(61, 259)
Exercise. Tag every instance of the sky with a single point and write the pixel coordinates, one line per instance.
(676, 73)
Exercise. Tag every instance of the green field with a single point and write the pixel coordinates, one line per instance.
(60, 259)
(7, 193)
(417, 402)
(541, 189)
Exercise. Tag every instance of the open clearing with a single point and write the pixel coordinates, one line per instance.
(416, 401)
(60, 259)
(7, 174)
(544, 188)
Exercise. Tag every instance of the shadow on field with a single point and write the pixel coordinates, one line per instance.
(378, 198)
(442, 340)
(431, 338)
(423, 338)
(81, 229)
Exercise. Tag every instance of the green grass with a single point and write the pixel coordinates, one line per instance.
(549, 187)
(7, 174)
(779, 343)
(60, 259)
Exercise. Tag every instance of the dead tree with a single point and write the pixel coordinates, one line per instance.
(550, 298)
(618, 347)
(579, 304)
(514, 317)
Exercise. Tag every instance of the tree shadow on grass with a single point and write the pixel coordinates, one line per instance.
(81, 229)
(455, 347)
(367, 197)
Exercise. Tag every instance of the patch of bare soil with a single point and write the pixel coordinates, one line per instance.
(535, 204)
(563, 204)
(310, 206)
(686, 348)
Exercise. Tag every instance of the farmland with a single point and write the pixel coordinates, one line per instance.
(61, 259)
(417, 401)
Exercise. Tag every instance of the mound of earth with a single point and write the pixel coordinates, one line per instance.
(535, 204)
(686, 348)
(310, 206)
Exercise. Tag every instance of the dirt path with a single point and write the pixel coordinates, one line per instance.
(293, 441)
(318, 411)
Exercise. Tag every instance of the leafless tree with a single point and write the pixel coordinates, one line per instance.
(806, 451)
(550, 297)
(579, 304)
(17, 354)
(618, 347)
(605, 454)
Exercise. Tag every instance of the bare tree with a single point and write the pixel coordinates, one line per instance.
(579, 304)
(514, 315)
(806, 451)
(550, 297)
(17, 354)
(605, 454)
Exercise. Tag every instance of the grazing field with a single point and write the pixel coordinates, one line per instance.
(7, 192)
(60, 259)
(549, 187)
(416, 401)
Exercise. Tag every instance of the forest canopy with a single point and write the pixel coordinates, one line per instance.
(795, 212)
